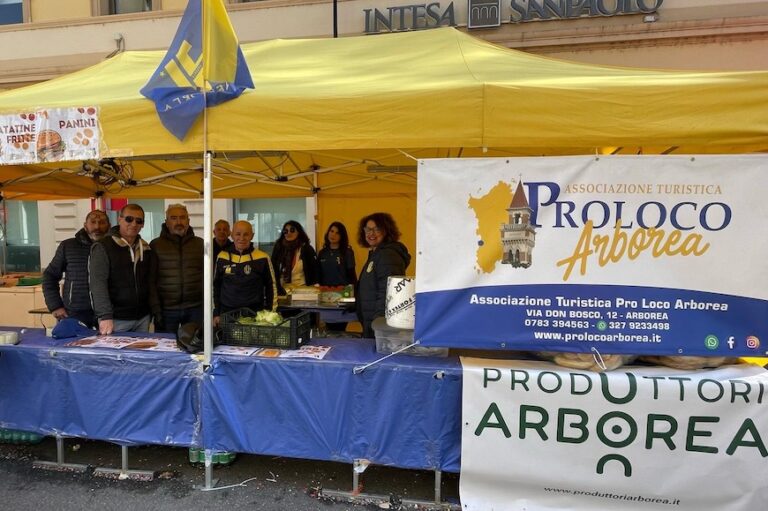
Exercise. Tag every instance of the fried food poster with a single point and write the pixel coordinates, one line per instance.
(54, 134)
(657, 255)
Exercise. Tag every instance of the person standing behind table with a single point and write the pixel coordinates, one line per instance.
(336, 263)
(176, 294)
(71, 260)
(221, 239)
(386, 257)
(293, 258)
(243, 276)
(119, 269)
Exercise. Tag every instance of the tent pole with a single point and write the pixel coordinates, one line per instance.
(207, 260)
(207, 213)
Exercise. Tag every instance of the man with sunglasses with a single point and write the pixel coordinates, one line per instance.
(119, 269)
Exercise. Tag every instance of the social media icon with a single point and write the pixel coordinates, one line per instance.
(753, 342)
(711, 342)
(731, 342)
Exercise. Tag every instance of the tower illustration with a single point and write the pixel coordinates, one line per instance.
(518, 237)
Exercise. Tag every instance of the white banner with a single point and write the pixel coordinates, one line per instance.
(638, 255)
(53, 134)
(540, 437)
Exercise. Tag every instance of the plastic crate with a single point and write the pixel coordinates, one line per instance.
(197, 455)
(291, 334)
(15, 436)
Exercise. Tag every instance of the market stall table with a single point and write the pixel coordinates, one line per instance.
(123, 396)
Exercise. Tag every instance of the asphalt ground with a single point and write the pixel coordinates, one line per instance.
(250, 482)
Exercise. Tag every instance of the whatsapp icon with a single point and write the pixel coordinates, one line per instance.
(711, 342)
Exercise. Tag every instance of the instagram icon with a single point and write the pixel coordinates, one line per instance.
(753, 342)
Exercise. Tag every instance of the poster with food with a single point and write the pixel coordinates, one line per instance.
(54, 134)
(18, 134)
(103, 341)
(68, 134)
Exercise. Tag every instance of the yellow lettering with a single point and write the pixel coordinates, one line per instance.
(613, 250)
(582, 252)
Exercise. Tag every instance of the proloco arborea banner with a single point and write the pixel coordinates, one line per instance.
(640, 254)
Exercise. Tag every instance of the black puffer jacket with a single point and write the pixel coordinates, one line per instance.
(390, 258)
(177, 271)
(119, 280)
(71, 261)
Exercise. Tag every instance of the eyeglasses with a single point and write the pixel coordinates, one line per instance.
(372, 230)
(289, 229)
(130, 219)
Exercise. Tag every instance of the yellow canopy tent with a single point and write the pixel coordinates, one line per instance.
(345, 118)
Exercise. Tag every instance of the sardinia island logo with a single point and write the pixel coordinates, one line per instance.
(505, 230)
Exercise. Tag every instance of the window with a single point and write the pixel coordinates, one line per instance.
(11, 11)
(20, 235)
(124, 6)
(268, 216)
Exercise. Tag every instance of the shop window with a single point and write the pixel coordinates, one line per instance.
(267, 217)
(20, 236)
(124, 6)
(11, 12)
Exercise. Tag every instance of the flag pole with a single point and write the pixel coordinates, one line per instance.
(207, 220)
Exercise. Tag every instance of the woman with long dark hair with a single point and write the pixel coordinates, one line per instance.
(336, 260)
(386, 257)
(293, 258)
(336, 263)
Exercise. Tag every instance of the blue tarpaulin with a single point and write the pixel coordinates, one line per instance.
(404, 411)
(122, 396)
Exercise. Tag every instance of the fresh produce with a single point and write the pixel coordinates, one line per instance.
(263, 318)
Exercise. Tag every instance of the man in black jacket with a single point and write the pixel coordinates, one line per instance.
(71, 261)
(176, 293)
(221, 241)
(118, 273)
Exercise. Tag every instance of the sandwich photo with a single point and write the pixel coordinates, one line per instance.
(50, 147)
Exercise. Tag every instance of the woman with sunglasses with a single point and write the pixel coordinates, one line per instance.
(386, 257)
(293, 258)
(336, 263)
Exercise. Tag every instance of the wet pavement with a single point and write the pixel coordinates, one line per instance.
(250, 482)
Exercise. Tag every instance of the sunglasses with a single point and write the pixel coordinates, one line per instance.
(130, 219)
(289, 229)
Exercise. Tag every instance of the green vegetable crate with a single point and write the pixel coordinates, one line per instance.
(290, 334)
(197, 455)
(15, 436)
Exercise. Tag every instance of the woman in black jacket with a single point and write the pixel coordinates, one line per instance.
(293, 258)
(386, 257)
(336, 264)
(336, 260)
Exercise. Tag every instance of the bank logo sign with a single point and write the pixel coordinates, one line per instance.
(483, 13)
(490, 13)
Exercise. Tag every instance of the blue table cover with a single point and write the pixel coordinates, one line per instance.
(122, 396)
(404, 411)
